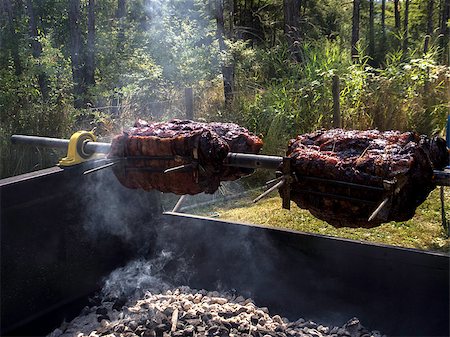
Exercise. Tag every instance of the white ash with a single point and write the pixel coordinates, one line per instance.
(187, 312)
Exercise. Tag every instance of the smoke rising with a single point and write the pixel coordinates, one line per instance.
(109, 209)
(141, 275)
(181, 39)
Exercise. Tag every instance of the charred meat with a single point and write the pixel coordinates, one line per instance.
(378, 166)
(145, 151)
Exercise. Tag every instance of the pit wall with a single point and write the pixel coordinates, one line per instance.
(63, 232)
(400, 292)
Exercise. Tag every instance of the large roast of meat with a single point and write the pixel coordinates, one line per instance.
(396, 167)
(145, 151)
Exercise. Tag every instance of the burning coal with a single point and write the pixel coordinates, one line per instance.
(136, 301)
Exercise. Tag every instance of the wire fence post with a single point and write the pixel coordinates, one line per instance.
(189, 102)
(336, 102)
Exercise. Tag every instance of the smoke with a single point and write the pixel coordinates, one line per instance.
(181, 39)
(142, 275)
(111, 210)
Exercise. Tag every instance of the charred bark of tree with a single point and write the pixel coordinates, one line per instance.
(36, 50)
(372, 33)
(426, 44)
(227, 66)
(76, 52)
(291, 11)
(355, 30)
(13, 43)
(90, 55)
(406, 30)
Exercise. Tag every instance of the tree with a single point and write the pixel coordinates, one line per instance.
(397, 15)
(13, 41)
(430, 6)
(291, 11)
(383, 29)
(406, 29)
(121, 15)
(355, 29)
(444, 32)
(36, 49)
(371, 31)
(90, 54)
(227, 66)
(76, 53)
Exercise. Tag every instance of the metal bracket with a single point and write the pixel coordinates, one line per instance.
(76, 153)
(285, 189)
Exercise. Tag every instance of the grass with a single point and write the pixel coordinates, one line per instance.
(424, 231)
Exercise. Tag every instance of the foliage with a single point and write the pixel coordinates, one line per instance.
(283, 99)
(23, 110)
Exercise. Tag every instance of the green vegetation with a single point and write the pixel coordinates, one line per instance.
(424, 231)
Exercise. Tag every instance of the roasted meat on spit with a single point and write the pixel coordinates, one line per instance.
(197, 150)
(342, 177)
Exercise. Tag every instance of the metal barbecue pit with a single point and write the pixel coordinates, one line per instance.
(50, 263)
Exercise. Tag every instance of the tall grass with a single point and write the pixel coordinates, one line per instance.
(282, 99)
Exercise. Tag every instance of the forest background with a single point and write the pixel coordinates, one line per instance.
(268, 65)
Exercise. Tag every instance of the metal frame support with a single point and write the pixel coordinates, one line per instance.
(285, 189)
(76, 153)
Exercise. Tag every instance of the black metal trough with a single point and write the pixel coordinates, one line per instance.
(62, 233)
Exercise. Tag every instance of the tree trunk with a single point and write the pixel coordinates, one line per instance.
(429, 26)
(383, 30)
(90, 54)
(76, 53)
(397, 15)
(36, 50)
(121, 15)
(406, 30)
(13, 41)
(291, 11)
(444, 33)
(227, 66)
(371, 32)
(355, 29)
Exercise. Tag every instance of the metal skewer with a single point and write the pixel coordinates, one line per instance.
(274, 187)
(273, 180)
(95, 169)
(178, 168)
(378, 209)
(177, 206)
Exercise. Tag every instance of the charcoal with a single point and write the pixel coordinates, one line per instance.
(101, 311)
(163, 314)
(200, 148)
(399, 165)
(102, 317)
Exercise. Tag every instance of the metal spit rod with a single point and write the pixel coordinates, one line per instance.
(233, 159)
(58, 143)
(245, 160)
